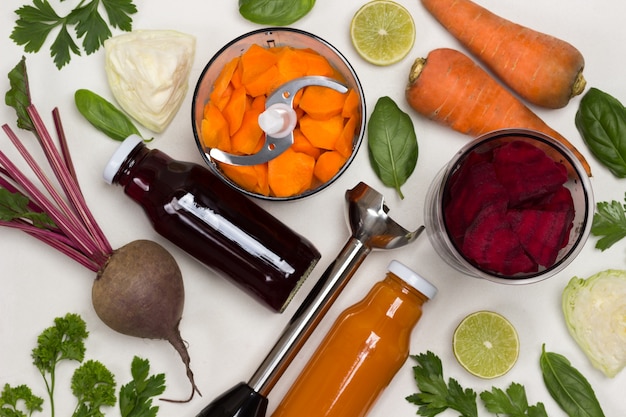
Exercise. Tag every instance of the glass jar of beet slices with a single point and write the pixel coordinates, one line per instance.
(513, 206)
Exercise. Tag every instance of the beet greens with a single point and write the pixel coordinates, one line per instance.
(63, 220)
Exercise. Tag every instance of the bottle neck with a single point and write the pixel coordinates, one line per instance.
(398, 301)
(134, 158)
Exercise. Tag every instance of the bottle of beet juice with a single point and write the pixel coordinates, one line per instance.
(216, 224)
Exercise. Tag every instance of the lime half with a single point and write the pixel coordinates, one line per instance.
(382, 32)
(486, 344)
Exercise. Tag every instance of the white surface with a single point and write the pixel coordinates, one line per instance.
(228, 333)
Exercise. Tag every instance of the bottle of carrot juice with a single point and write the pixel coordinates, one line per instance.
(363, 350)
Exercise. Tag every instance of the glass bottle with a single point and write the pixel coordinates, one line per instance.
(363, 350)
(216, 224)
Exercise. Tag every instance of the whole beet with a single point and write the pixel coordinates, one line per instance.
(140, 292)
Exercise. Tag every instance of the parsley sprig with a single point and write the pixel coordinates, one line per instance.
(436, 395)
(85, 22)
(609, 223)
(92, 383)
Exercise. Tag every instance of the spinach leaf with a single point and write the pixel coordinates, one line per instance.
(104, 116)
(392, 144)
(569, 388)
(275, 12)
(601, 121)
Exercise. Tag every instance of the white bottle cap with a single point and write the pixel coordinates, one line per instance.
(278, 120)
(118, 158)
(413, 279)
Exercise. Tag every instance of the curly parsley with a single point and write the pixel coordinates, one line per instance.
(85, 22)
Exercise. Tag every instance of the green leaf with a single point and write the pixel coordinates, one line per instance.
(135, 397)
(609, 222)
(275, 12)
(94, 387)
(435, 396)
(569, 388)
(513, 403)
(18, 95)
(601, 121)
(35, 23)
(14, 206)
(91, 26)
(104, 116)
(19, 401)
(392, 144)
(119, 12)
(63, 341)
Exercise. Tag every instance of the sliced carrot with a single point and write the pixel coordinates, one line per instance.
(302, 144)
(351, 105)
(328, 165)
(449, 88)
(235, 109)
(263, 186)
(215, 128)
(244, 176)
(317, 64)
(237, 78)
(291, 64)
(220, 93)
(322, 102)
(255, 61)
(322, 133)
(263, 83)
(345, 142)
(542, 69)
(246, 140)
(290, 173)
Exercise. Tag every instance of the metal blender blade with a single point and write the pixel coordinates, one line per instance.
(371, 229)
(279, 104)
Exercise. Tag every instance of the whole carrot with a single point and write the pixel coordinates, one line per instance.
(451, 89)
(542, 69)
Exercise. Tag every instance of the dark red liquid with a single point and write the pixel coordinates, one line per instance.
(220, 227)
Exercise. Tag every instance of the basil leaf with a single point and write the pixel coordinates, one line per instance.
(568, 386)
(275, 12)
(601, 121)
(18, 95)
(104, 116)
(392, 144)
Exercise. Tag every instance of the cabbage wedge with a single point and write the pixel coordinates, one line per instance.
(595, 313)
(148, 73)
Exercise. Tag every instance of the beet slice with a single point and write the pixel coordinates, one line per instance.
(492, 245)
(527, 172)
(475, 188)
(541, 233)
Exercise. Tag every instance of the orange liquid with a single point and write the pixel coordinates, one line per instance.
(362, 352)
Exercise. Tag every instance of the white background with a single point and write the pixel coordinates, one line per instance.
(228, 333)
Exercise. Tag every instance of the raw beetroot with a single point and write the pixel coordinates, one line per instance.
(507, 210)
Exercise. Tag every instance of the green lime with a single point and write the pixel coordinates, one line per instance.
(382, 32)
(486, 344)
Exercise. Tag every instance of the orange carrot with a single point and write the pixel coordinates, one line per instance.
(449, 88)
(542, 69)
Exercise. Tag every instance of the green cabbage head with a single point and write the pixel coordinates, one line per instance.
(595, 313)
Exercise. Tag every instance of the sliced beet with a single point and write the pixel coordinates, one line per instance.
(541, 233)
(492, 245)
(474, 190)
(527, 172)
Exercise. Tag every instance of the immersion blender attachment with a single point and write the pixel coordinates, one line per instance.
(277, 121)
(371, 229)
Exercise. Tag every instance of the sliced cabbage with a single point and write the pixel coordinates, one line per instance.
(595, 313)
(148, 73)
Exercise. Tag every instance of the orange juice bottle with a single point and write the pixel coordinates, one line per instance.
(366, 346)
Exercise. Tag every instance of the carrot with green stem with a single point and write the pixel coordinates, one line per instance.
(450, 88)
(542, 69)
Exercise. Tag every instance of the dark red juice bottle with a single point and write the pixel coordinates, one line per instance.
(216, 224)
